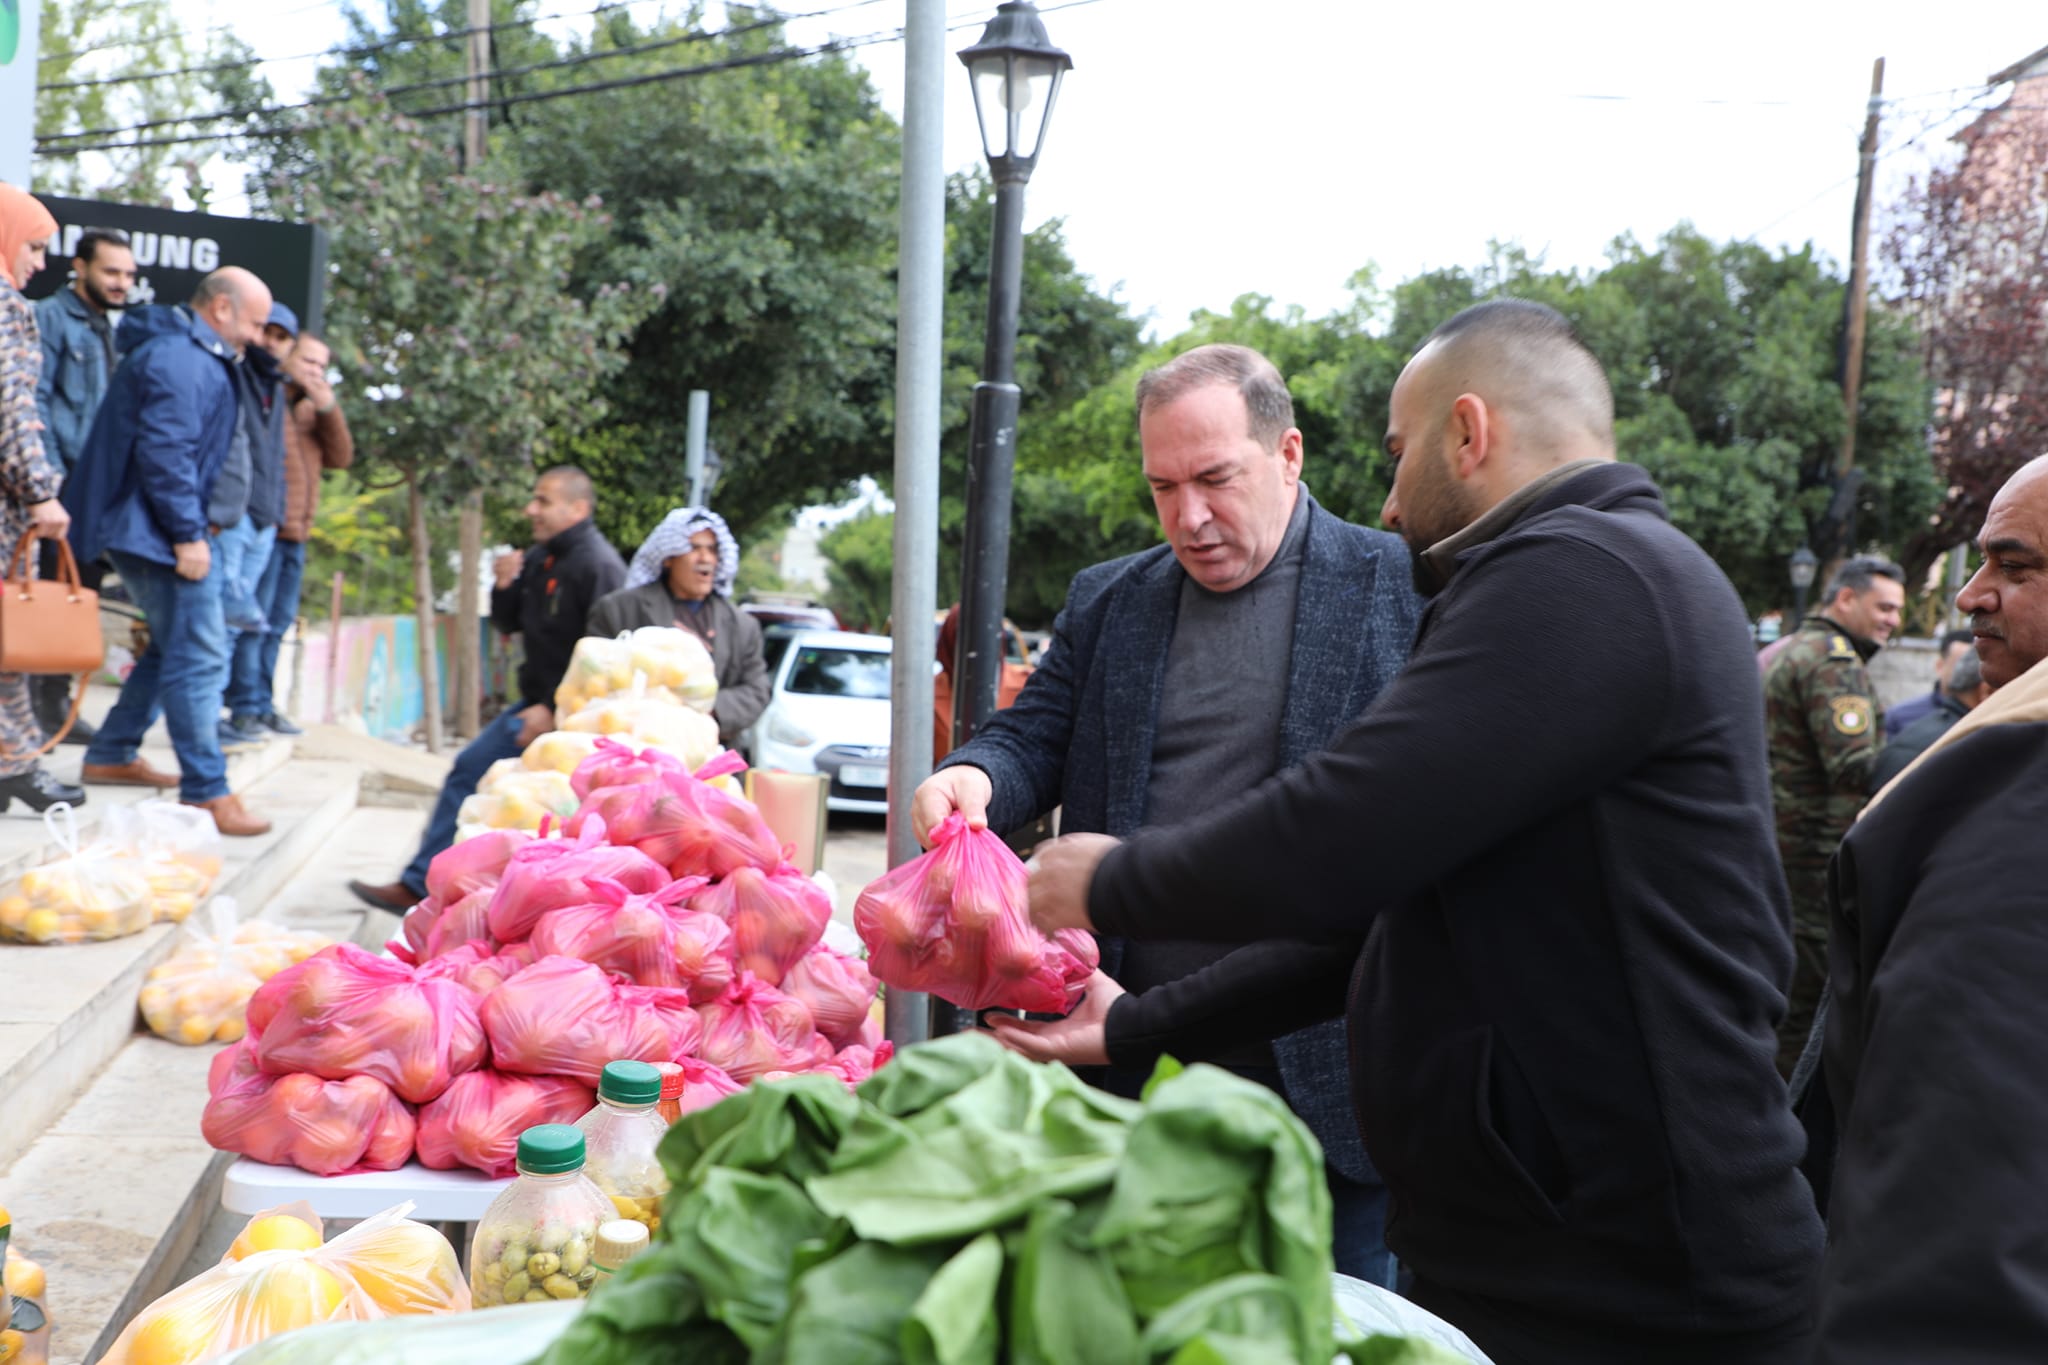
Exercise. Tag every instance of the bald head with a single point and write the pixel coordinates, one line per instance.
(235, 304)
(2008, 597)
(1528, 365)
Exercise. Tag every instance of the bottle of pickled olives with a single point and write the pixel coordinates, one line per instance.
(538, 1239)
(622, 1135)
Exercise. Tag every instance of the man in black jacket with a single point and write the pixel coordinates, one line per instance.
(544, 596)
(1542, 866)
(1938, 949)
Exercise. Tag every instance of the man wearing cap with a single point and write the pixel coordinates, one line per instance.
(315, 438)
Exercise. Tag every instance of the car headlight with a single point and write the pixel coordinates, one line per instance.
(783, 732)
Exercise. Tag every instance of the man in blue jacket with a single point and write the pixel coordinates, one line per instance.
(1182, 675)
(154, 486)
(78, 359)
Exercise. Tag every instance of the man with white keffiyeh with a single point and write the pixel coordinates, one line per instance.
(683, 577)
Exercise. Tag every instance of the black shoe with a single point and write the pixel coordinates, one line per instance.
(241, 733)
(279, 724)
(38, 790)
(82, 731)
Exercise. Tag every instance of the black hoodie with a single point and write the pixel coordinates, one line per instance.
(1552, 836)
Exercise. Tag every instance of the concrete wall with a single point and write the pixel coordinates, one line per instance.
(1902, 670)
(371, 676)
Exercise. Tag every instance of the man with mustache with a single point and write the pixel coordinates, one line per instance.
(1939, 946)
(1194, 670)
(1541, 875)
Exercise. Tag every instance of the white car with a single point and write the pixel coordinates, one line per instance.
(828, 712)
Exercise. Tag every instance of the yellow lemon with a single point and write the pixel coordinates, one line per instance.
(278, 1232)
(195, 1029)
(13, 911)
(172, 1338)
(25, 1279)
(41, 926)
(296, 1293)
(6, 1219)
(231, 1031)
(11, 1344)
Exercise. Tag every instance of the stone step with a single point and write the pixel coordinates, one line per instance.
(120, 1196)
(66, 1009)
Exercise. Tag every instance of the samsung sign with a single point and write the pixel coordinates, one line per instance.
(174, 250)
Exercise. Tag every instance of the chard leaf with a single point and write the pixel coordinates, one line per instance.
(955, 1320)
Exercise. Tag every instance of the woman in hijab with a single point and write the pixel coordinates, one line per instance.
(29, 479)
(683, 577)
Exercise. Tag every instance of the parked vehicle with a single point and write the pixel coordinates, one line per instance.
(828, 712)
(789, 610)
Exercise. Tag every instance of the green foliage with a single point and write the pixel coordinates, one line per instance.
(452, 308)
(358, 532)
(860, 560)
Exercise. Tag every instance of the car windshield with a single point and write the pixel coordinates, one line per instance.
(827, 672)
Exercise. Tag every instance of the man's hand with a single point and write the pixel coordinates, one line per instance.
(1059, 874)
(535, 721)
(506, 567)
(1080, 1039)
(319, 390)
(195, 557)
(962, 787)
(49, 518)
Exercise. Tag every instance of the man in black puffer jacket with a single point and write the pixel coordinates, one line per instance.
(1542, 867)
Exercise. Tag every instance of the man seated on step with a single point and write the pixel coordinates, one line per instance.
(545, 595)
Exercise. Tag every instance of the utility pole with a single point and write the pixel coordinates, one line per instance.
(1859, 279)
(467, 645)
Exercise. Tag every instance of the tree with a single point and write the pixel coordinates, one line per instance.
(1968, 254)
(452, 309)
(107, 65)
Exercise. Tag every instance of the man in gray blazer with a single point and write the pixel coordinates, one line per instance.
(1185, 674)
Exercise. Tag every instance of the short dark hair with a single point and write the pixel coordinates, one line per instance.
(1528, 353)
(576, 485)
(1951, 638)
(92, 239)
(1859, 571)
(1269, 411)
(1967, 674)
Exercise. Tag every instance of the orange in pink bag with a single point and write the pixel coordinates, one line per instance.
(955, 923)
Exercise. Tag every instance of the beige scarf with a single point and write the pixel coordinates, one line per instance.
(2022, 701)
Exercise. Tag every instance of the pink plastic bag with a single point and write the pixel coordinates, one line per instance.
(475, 864)
(343, 1012)
(474, 967)
(651, 939)
(954, 922)
(613, 764)
(478, 1120)
(561, 1017)
(326, 1127)
(776, 917)
(687, 825)
(703, 1085)
(431, 928)
(838, 991)
(855, 1064)
(549, 874)
(753, 1029)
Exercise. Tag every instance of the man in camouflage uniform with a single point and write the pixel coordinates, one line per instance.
(1825, 730)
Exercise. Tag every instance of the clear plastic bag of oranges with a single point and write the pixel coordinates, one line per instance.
(97, 891)
(201, 994)
(180, 848)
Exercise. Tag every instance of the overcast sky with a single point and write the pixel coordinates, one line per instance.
(1204, 149)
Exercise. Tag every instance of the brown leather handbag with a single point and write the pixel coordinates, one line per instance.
(50, 626)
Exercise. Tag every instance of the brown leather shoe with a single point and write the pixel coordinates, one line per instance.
(134, 773)
(229, 817)
(396, 897)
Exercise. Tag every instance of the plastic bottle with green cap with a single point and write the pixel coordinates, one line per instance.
(624, 1132)
(537, 1241)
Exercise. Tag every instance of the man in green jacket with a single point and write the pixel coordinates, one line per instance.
(1825, 728)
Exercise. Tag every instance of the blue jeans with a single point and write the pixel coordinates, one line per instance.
(243, 553)
(500, 739)
(255, 664)
(180, 676)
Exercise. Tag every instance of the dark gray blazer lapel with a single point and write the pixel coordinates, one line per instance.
(1336, 652)
(1132, 660)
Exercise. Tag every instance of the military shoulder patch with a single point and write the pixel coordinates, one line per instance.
(1840, 648)
(1852, 715)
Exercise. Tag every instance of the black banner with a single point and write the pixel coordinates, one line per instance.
(173, 250)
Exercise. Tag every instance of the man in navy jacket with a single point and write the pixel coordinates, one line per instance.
(146, 493)
(1186, 673)
(1541, 875)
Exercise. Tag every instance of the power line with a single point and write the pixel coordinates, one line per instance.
(439, 83)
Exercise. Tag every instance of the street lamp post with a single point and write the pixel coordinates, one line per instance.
(1803, 565)
(1015, 72)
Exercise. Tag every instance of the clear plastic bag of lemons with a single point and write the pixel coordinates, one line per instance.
(24, 1326)
(180, 848)
(201, 994)
(97, 891)
(278, 1276)
(660, 661)
(513, 796)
